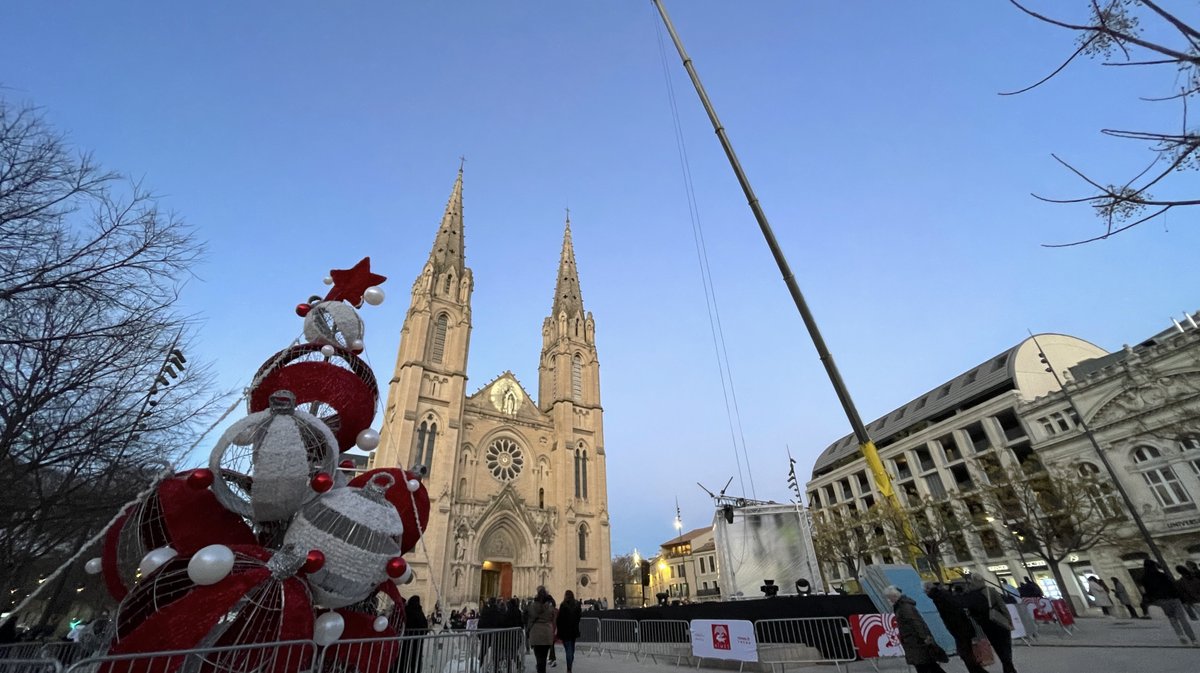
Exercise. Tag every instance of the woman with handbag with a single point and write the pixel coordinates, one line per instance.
(920, 651)
(987, 608)
(954, 616)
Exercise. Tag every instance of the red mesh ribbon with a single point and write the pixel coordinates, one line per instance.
(350, 389)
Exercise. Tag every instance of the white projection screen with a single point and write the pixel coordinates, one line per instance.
(764, 542)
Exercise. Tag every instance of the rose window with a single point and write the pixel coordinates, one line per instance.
(505, 460)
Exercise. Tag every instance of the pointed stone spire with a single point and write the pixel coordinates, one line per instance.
(448, 247)
(567, 296)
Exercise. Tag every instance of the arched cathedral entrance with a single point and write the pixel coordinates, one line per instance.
(502, 558)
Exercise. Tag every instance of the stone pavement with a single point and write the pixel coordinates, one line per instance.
(1097, 646)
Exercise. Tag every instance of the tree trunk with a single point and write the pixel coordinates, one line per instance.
(1062, 585)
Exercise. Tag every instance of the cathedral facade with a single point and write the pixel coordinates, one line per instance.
(517, 486)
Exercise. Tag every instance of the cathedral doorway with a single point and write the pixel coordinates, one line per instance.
(495, 581)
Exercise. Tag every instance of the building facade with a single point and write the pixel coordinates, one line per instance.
(517, 486)
(937, 445)
(686, 568)
(1142, 404)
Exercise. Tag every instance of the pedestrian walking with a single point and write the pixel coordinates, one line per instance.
(416, 627)
(920, 650)
(987, 608)
(1122, 596)
(958, 623)
(567, 622)
(552, 659)
(1189, 590)
(1030, 589)
(1158, 589)
(541, 627)
(1099, 593)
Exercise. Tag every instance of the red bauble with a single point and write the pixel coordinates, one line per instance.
(322, 482)
(175, 515)
(396, 567)
(349, 284)
(303, 309)
(200, 479)
(314, 561)
(347, 464)
(250, 606)
(343, 386)
(413, 506)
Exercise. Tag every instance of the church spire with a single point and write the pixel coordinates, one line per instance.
(448, 248)
(567, 297)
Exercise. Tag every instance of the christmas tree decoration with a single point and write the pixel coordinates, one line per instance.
(373, 295)
(358, 531)
(280, 450)
(314, 561)
(175, 515)
(210, 565)
(334, 323)
(154, 559)
(412, 505)
(200, 479)
(340, 390)
(260, 601)
(328, 628)
(368, 439)
(94, 566)
(350, 284)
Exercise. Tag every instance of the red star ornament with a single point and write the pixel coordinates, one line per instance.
(349, 284)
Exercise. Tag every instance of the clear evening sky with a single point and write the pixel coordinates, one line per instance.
(298, 137)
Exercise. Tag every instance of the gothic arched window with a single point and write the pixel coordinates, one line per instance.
(426, 436)
(438, 343)
(447, 284)
(583, 476)
(578, 470)
(542, 498)
(577, 378)
(583, 536)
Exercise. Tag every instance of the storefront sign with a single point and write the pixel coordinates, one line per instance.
(724, 639)
(998, 568)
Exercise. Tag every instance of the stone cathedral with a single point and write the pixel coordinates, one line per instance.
(517, 485)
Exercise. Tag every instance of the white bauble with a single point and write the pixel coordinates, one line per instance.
(356, 345)
(373, 295)
(328, 351)
(328, 628)
(211, 564)
(368, 439)
(413, 485)
(93, 566)
(380, 624)
(155, 558)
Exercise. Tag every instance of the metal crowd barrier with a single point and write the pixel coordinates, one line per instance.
(665, 638)
(589, 635)
(64, 652)
(283, 657)
(13, 665)
(489, 651)
(807, 640)
(619, 635)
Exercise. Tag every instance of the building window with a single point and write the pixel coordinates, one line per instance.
(1161, 480)
(542, 498)
(936, 488)
(426, 437)
(581, 489)
(577, 378)
(1101, 492)
(902, 470)
(438, 345)
(504, 459)
(583, 536)
(925, 459)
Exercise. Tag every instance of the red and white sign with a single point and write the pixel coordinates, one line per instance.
(876, 635)
(724, 639)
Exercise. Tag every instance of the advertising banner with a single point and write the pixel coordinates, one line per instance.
(724, 639)
(876, 635)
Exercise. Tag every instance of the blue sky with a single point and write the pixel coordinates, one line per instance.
(298, 140)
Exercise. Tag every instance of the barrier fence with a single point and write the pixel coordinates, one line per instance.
(806, 640)
(589, 635)
(13, 665)
(282, 657)
(619, 635)
(64, 652)
(665, 638)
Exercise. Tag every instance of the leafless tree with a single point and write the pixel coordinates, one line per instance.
(1139, 33)
(932, 528)
(1053, 513)
(90, 270)
(846, 538)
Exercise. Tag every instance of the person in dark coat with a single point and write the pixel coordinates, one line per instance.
(1189, 589)
(920, 651)
(1158, 589)
(958, 623)
(567, 623)
(490, 619)
(1030, 589)
(983, 603)
(416, 627)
